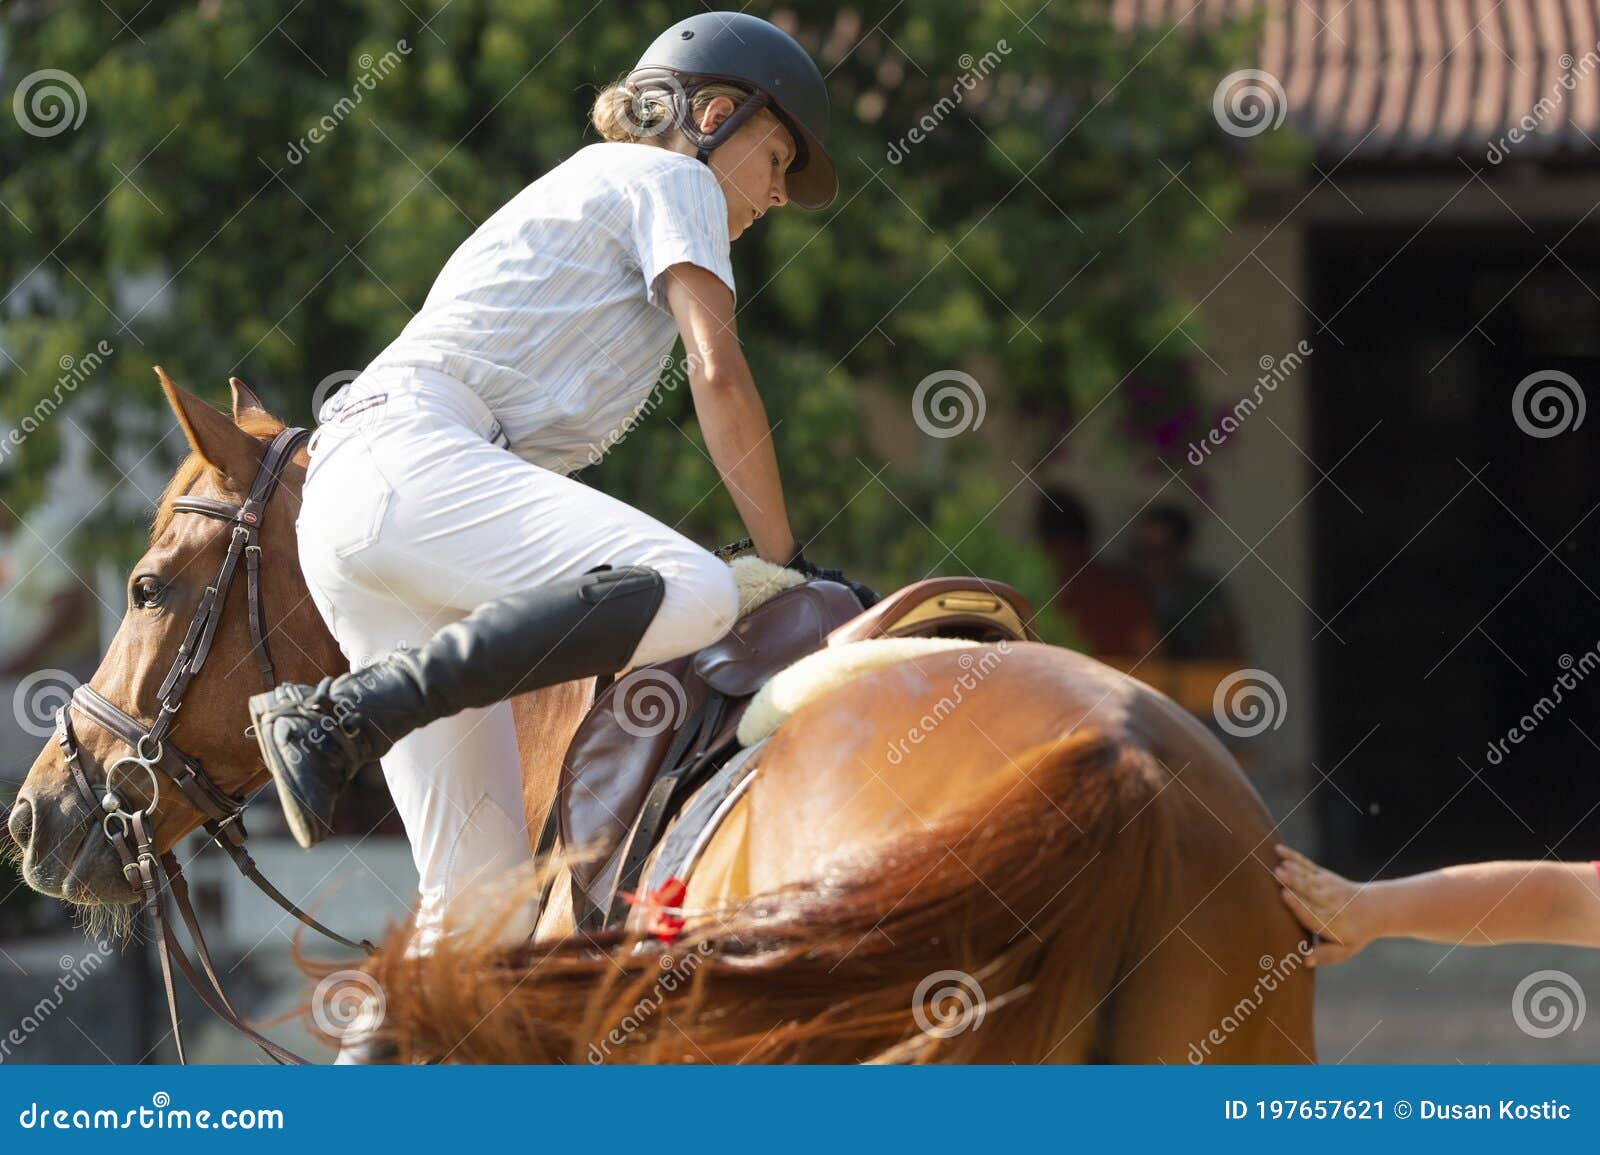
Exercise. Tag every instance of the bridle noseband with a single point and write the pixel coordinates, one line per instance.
(130, 832)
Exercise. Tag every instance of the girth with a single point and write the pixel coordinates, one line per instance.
(156, 760)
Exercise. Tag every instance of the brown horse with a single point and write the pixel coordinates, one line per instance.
(1069, 869)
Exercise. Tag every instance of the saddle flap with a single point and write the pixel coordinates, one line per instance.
(782, 630)
(617, 754)
(616, 751)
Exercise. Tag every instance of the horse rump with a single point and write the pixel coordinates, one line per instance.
(995, 935)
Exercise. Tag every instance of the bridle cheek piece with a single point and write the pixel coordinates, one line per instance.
(130, 833)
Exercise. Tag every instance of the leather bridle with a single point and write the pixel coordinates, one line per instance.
(131, 833)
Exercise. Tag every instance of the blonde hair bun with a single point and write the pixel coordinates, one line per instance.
(623, 114)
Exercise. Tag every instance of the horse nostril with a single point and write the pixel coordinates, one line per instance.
(17, 822)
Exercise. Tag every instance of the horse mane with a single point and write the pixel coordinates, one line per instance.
(836, 969)
(257, 423)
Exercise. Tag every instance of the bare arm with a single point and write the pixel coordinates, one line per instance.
(728, 407)
(1478, 904)
(1488, 903)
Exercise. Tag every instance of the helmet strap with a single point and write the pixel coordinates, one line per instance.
(705, 142)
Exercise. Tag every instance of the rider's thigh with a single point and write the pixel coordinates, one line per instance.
(492, 524)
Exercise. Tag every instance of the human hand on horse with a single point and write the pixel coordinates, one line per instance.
(1471, 904)
(1326, 904)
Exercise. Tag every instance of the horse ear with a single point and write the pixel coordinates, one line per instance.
(212, 433)
(244, 400)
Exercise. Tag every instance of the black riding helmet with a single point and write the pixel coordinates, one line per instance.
(737, 48)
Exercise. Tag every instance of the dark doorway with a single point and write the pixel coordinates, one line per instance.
(1430, 545)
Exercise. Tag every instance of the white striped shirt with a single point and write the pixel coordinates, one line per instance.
(553, 311)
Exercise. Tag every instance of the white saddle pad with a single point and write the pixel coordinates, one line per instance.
(816, 674)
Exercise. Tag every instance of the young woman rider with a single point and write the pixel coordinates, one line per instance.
(446, 547)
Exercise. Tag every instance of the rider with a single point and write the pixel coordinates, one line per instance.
(437, 493)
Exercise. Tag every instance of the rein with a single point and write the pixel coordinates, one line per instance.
(131, 832)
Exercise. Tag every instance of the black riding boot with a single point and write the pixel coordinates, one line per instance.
(315, 738)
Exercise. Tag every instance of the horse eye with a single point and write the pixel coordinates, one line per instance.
(146, 592)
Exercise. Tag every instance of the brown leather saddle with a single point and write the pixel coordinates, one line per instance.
(623, 782)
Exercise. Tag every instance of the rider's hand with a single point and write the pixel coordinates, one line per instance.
(1334, 907)
(864, 594)
(799, 561)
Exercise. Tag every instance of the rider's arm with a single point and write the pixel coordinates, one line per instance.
(728, 407)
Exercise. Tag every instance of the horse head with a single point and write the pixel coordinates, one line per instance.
(57, 835)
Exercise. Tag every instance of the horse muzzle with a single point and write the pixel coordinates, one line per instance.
(67, 863)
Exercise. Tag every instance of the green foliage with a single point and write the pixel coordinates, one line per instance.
(283, 260)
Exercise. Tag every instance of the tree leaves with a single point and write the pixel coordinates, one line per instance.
(1033, 229)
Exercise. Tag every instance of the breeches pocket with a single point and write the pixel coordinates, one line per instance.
(347, 495)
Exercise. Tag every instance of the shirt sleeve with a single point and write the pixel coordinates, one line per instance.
(680, 214)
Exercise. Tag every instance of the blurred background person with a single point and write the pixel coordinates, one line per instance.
(1194, 615)
(1109, 615)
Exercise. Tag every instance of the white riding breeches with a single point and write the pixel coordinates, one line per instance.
(412, 517)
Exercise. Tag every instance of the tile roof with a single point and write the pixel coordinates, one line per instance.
(1419, 79)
